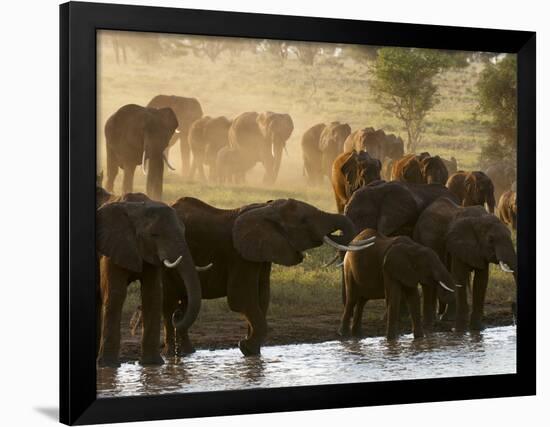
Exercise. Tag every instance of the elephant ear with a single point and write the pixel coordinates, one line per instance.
(349, 169)
(259, 236)
(462, 241)
(116, 237)
(398, 209)
(398, 264)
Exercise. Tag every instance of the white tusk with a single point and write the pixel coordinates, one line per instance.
(444, 286)
(340, 264)
(172, 264)
(143, 163)
(459, 286)
(177, 131)
(362, 242)
(167, 162)
(504, 267)
(286, 152)
(340, 247)
(204, 268)
(332, 261)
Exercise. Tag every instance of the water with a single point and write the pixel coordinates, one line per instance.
(490, 352)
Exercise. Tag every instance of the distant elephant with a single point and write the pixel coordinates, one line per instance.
(187, 111)
(331, 144)
(503, 175)
(242, 244)
(230, 166)
(451, 164)
(392, 208)
(138, 135)
(261, 138)
(434, 170)
(207, 136)
(466, 239)
(473, 188)
(311, 154)
(350, 172)
(135, 237)
(392, 267)
(507, 209)
(376, 142)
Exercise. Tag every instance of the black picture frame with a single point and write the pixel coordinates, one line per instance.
(78, 25)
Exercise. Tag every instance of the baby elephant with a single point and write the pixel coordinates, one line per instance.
(391, 268)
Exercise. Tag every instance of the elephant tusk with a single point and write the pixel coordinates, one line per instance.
(332, 261)
(363, 242)
(459, 286)
(177, 131)
(505, 267)
(340, 247)
(340, 264)
(286, 151)
(204, 268)
(167, 162)
(172, 264)
(444, 286)
(143, 160)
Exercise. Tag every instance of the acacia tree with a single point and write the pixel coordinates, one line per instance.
(403, 83)
(497, 97)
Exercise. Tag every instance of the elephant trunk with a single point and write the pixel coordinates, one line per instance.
(186, 270)
(277, 156)
(342, 223)
(155, 170)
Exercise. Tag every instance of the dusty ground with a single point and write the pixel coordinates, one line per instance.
(217, 331)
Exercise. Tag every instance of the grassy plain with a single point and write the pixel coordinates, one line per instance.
(305, 300)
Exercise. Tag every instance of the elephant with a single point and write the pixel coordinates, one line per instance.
(407, 169)
(390, 268)
(207, 136)
(242, 244)
(392, 208)
(229, 166)
(138, 135)
(376, 142)
(473, 188)
(434, 170)
(136, 237)
(350, 172)
(102, 196)
(311, 154)
(418, 169)
(187, 111)
(466, 239)
(261, 137)
(331, 144)
(503, 175)
(507, 209)
(321, 144)
(451, 165)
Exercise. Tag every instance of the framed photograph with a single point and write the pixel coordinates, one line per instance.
(267, 213)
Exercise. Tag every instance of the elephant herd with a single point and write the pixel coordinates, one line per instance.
(137, 135)
(426, 224)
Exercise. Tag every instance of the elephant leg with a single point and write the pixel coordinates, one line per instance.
(356, 328)
(151, 308)
(193, 168)
(349, 304)
(412, 298)
(393, 303)
(128, 178)
(112, 171)
(461, 274)
(114, 283)
(243, 296)
(481, 277)
(429, 299)
(185, 154)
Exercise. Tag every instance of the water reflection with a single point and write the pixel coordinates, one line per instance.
(492, 351)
